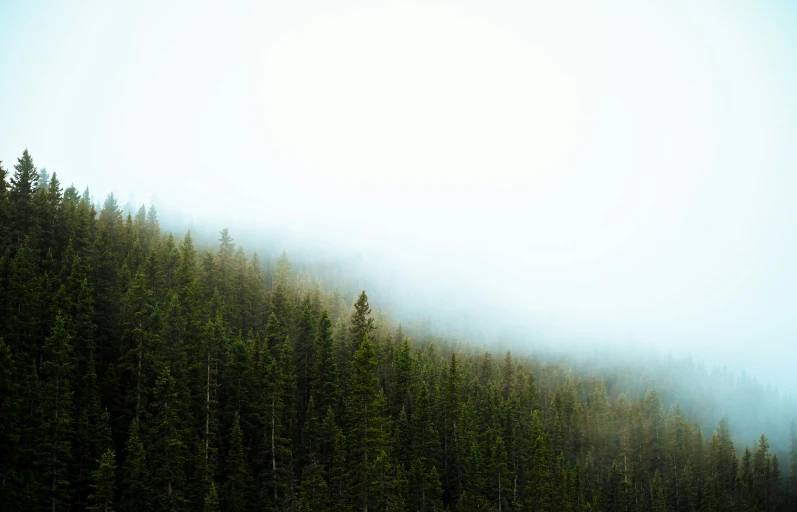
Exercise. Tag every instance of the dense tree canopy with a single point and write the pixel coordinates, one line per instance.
(138, 372)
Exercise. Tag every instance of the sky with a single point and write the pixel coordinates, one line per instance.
(621, 172)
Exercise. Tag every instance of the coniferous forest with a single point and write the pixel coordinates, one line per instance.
(141, 372)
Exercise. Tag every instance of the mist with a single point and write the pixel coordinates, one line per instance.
(524, 174)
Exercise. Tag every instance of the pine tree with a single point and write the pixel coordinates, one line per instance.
(385, 486)
(499, 469)
(237, 475)
(539, 479)
(325, 383)
(725, 463)
(304, 356)
(5, 207)
(452, 448)
(33, 445)
(10, 428)
(104, 484)
(657, 490)
(168, 447)
(112, 331)
(361, 322)
(774, 484)
(139, 340)
(762, 473)
(370, 428)
(93, 433)
(402, 371)
(338, 477)
(212, 499)
(313, 493)
(23, 188)
(214, 339)
(57, 423)
(278, 400)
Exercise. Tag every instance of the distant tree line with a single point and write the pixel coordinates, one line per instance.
(140, 373)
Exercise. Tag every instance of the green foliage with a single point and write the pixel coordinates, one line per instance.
(104, 484)
(215, 384)
(361, 322)
(136, 488)
(212, 499)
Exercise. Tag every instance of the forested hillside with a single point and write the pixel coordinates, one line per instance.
(138, 372)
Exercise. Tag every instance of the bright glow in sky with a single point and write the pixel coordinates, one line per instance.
(623, 171)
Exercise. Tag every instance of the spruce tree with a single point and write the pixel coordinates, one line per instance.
(237, 475)
(369, 424)
(58, 425)
(23, 187)
(212, 499)
(361, 322)
(498, 478)
(104, 485)
(11, 415)
(313, 492)
(402, 374)
(5, 207)
(169, 452)
(452, 447)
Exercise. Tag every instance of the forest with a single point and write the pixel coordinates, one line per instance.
(142, 370)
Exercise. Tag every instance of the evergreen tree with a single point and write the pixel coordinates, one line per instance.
(24, 184)
(104, 484)
(139, 340)
(452, 448)
(212, 499)
(237, 475)
(313, 490)
(57, 422)
(5, 207)
(401, 379)
(361, 322)
(370, 427)
(499, 469)
(223, 385)
(279, 392)
(10, 428)
(169, 451)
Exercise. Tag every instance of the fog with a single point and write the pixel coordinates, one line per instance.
(529, 173)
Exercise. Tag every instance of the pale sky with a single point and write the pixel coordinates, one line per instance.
(607, 170)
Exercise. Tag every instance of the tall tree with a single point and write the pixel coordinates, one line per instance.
(237, 475)
(452, 447)
(58, 425)
(361, 322)
(23, 187)
(370, 427)
(5, 207)
(104, 484)
(136, 488)
(169, 452)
